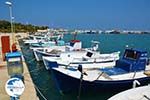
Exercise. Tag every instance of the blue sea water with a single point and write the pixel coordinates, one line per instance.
(115, 42)
(108, 43)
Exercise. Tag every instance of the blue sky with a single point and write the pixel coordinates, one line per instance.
(81, 14)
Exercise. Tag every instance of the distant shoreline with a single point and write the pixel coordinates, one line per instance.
(5, 27)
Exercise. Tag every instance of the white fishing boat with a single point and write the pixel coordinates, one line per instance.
(46, 44)
(53, 51)
(56, 50)
(34, 39)
(86, 57)
(139, 93)
(43, 38)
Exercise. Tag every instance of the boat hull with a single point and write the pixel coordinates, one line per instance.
(67, 84)
(142, 92)
(40, 54)
(51, 64)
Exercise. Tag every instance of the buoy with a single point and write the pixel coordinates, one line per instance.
(147, 72)
(14, 47)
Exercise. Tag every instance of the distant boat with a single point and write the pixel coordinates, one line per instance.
(42, 44)
(34, 39)
(92, 32)
(55, 51)
(46, 44)
(139, 93)
(132, 66)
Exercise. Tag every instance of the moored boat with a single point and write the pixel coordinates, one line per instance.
(88, 59)
(139, 93)
(132, 66)
(34, 39)
(55, 51)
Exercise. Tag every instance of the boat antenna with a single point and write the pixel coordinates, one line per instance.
(75, 36)
(95, 45)
(81, 78)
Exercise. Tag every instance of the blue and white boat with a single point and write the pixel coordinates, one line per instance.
(132, 66)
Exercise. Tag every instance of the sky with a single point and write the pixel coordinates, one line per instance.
(81, 14)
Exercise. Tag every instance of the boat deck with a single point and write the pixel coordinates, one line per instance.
(97, 74)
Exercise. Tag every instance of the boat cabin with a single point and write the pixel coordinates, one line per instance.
(132, 61)
(74, 45)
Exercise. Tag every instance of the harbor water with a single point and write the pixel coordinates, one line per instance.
(108, 43)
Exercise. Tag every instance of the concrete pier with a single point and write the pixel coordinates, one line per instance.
(29, 92)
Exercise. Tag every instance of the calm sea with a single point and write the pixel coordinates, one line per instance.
(108, 43)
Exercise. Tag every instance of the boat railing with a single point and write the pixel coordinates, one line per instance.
(134, 75)
(96, 58)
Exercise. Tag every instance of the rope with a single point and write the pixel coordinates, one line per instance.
(30, 60)
(40, 92)
(33, 83)
(33, 70)
(79, 92)
(99, 75)
(146, 97)
(134, 75)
